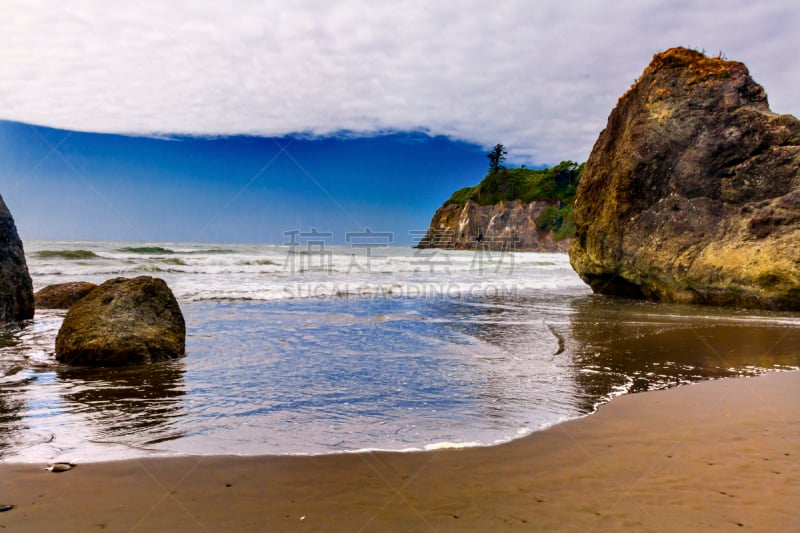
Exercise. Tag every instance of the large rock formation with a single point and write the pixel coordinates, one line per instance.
(692, 192)
(16, 287)
(62, 295)
(121, 322)
(508, 225)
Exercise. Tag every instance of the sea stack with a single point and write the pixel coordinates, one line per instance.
(692, 192)
(16, 287)
(123, 322)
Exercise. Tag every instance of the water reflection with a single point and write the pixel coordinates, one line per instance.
(11, 405)
(139, 406)
(576, 351)
(7, 338)
(319, 376)
(521, 364)
(624, 346)
(11, 402)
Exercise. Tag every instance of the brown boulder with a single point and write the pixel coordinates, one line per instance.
(62, 295)
(16, 287)
(692, 192)
(122, 322)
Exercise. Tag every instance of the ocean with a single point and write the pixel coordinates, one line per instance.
(313, 348)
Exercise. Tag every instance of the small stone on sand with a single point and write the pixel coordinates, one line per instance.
(60, 467)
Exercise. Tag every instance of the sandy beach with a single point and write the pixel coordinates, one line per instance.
(717, 455)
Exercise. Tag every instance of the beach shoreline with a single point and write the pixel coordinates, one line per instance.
(714, 455)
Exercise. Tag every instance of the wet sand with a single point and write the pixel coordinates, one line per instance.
(717, 455)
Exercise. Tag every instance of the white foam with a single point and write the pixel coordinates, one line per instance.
(452, 445)
(269, 272)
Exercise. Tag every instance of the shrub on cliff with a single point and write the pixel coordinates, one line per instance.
(556, 185)
(525, 184)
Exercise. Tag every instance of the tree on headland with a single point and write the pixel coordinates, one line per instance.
(496, 157)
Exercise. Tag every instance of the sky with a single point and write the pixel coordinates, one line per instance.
(239, 120)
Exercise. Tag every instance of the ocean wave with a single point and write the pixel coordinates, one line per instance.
(211, 251)
(66, 254)
(160, 250)
(258, 262)
(177, 261)
(150, 250)
(275, 290)
(157, 269)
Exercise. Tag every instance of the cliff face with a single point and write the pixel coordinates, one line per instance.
(692, 192)
(507, 225)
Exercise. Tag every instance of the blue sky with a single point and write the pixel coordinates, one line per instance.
(71, 185)
(279, 110)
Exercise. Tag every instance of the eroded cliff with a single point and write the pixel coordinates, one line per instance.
(510, 209)
(508, 225)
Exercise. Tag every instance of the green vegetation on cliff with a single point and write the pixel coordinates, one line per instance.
(556, 185)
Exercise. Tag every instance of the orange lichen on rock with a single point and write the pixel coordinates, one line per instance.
(694, 66)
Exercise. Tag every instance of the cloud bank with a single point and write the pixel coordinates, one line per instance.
(540, 77)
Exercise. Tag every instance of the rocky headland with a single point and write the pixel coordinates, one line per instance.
(16, 287)
(509, 225)
(692, 192)
(510, 209)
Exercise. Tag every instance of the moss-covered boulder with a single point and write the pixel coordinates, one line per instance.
(123, 322)
(692, 192)
(16, 287)
(62, 295)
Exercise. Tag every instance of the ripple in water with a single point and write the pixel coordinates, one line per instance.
(336, 375)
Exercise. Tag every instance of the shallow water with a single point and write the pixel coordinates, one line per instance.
(347, 370)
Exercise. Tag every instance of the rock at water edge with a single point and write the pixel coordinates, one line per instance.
(16, 287)
(123, 322)
(692, 192)
(62, 295)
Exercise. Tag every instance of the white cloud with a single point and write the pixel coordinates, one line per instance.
(540, 76)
